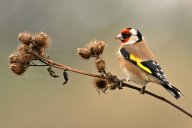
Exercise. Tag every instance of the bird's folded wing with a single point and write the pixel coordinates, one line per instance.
(150, 66)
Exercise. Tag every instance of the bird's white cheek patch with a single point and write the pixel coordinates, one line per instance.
(133, 39)
(133, 31)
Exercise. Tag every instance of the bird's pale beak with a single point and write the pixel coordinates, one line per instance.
(119, 37)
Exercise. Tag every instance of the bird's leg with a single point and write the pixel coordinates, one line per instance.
(142, 91)
(98, 91)
(121, 83)
(103, 73)
(104, 90)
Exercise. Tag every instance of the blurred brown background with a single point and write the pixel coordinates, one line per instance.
(35, 100)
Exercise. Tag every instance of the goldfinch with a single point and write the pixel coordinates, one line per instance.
(138, 62)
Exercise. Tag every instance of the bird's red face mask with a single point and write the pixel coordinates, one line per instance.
(129, 36)
(124, 36)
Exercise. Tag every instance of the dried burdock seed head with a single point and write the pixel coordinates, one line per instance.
(85, 53)
(23, 58)
(41, 39)
(100, 47)
(41, 51)
(100, 84)
(14, 58)
(25, 54)
(25, 38)
(24, 48)
(96, 47)
(18, 68)
(100, 64)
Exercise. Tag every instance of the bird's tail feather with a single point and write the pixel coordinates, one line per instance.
(173, 90)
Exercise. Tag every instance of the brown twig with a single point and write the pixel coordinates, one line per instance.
(159, 97)
(62, 66)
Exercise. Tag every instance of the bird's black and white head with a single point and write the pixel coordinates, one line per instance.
(129, 36)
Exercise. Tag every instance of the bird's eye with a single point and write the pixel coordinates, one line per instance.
(126, 35)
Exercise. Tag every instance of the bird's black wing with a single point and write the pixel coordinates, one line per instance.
(150, 66)
(156, 70)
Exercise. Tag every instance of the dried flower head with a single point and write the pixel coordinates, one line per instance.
(96, 47)
(100, 83)
(41, 51)
(25, 38)
(14, 58)
(25, 53)
(85, 53)
(20, 58)
(100, 64)
(41, 39)
(24, 48)
(18, 68)
(25, 58)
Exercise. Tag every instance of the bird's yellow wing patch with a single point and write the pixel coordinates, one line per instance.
(138, 63)
(144, 68)
(134, 58)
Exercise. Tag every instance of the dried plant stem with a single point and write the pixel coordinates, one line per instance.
(62, 66)
(160, 98)
(39, 65)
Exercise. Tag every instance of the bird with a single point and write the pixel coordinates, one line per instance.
(138, 62)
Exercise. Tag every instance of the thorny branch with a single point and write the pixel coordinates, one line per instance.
(33, 47)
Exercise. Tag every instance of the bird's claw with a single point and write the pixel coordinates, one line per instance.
(142, 90)
(120, 85)
(104, 90)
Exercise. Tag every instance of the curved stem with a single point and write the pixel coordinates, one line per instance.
(159, 97)
(62, 66)
(38, 65)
